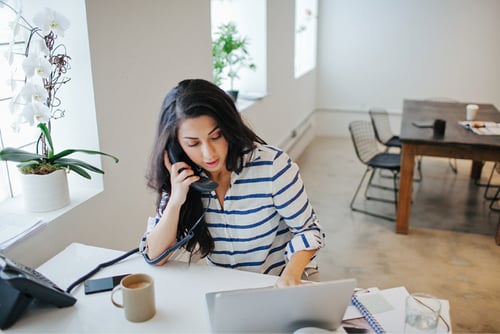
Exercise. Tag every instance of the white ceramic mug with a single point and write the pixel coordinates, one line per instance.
(471, 112)
(138, 297)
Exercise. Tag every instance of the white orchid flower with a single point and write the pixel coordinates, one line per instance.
(35, 112)
(25, 115)
(37, 64)
(38, 46)
(34, 93)
(49, 20)
(16, 123)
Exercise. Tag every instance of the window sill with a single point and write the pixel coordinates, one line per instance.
(245, 100)
(17, 224)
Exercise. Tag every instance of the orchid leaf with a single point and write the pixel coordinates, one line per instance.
(48, 137)
(32, 161)
(64, 162)
(71, 151)
(17, 155)
(80, 171)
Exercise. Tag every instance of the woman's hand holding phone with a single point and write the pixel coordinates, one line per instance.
(181, 177)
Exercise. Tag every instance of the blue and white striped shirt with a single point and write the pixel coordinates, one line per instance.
(267, 216)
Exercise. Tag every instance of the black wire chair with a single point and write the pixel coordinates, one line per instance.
(383, 132)
(369, 153)
(382, 127)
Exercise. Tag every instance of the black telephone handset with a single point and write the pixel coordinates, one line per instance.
(176, 154)
(19, 285)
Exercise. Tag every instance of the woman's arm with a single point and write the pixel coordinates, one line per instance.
(164, 234)
(293, 205)
(293, 270)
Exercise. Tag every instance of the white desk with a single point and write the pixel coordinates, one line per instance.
(179, 291)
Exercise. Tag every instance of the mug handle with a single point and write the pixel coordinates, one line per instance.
(115, 289)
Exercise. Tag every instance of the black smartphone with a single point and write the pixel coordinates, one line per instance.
(176, 154)
(102, 284)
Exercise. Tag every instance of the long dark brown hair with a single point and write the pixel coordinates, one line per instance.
(189, 99)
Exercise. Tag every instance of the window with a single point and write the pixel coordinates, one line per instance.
(249, 17)
(12, 75)
(77, 95)
(306, 26)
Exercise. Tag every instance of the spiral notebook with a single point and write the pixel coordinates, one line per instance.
(384, 310)
(372, 321)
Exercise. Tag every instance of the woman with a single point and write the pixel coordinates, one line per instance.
(258, 218)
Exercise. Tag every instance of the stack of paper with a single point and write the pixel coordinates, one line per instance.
(482, 128)
(13, 230)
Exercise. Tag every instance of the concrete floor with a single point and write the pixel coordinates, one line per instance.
(449, 252)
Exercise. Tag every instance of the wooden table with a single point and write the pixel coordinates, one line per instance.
(457, 143)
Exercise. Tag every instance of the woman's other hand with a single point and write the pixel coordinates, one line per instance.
(292, 274)
(287, 280)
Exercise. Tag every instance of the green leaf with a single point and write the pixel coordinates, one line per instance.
(71, 151)
(79, 171)
(48, 137)
(17, 155)
(64, 162)
(31, 162)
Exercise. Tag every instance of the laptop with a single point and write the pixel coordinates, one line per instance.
(274, 310)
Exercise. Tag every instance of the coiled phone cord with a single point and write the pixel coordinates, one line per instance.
(160, 257)
(177, 245)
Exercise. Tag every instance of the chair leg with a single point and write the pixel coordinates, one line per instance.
(488, 184)
(495, 199)
(419, 169)
(378, 186)
(369, 184)
(453, 165)
(357, 189)
(373, 214)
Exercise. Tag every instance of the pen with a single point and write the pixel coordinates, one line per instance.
(479, 125)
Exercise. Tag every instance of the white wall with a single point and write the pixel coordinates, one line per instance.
(139, 50)
(289, 101)
(376, 53)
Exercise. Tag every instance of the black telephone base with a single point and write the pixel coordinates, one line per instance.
(13, 303)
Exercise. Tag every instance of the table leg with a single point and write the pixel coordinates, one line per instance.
(405, 188)
(476, 168)
(497, 236)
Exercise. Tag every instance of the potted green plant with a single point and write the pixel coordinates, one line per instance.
(45, 65)
(229, 55)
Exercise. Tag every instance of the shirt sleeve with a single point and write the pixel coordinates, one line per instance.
(151, 223)
(292, 203)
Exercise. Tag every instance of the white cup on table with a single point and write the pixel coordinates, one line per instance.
(471, 112)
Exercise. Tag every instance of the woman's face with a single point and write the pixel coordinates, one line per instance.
(203, 142)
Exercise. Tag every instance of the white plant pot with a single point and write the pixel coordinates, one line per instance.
(44, 193)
